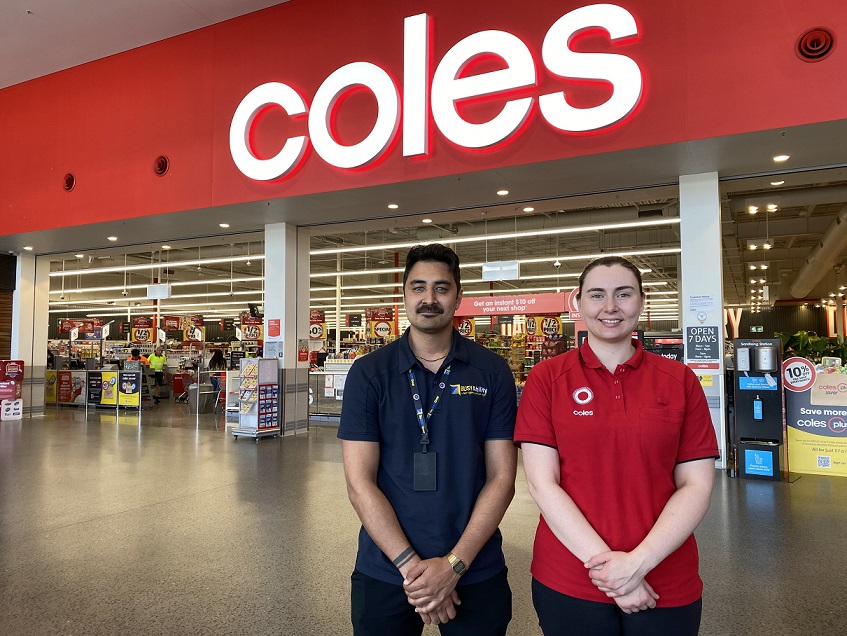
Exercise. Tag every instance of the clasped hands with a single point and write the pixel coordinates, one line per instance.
(617, 575)
(430, 586)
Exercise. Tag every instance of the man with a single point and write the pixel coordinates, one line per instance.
(157, 363)
(426, 429)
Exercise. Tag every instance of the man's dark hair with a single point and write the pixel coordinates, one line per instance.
(433, 252)
(135, 353)
(608, 261)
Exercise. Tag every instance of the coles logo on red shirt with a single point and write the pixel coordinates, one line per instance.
(583, 395)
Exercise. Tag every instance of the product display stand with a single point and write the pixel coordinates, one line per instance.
(258, 399)
(232, 405)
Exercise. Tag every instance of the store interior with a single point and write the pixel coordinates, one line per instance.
(770, 224)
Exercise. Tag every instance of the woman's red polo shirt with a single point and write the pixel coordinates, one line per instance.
(619, 437)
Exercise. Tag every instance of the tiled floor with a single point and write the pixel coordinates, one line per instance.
(108, 528)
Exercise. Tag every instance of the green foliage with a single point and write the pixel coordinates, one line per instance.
(809, 345)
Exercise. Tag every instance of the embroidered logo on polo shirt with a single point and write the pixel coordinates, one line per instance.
(468, 389)
(583, 395)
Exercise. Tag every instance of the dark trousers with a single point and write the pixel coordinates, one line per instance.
(561, 615)
(382, 609)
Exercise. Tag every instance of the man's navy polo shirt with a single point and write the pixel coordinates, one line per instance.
(478, 404)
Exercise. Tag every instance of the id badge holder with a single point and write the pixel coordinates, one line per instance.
(424, 480)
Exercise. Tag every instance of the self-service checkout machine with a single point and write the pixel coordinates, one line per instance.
(759, 409)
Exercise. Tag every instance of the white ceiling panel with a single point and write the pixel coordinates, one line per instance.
(39, 37)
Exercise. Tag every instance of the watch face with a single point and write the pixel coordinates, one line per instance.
(459, 567)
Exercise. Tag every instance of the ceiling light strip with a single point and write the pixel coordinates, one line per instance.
(504, 236)
(159, 265)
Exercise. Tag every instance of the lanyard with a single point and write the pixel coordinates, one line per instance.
(423, 421)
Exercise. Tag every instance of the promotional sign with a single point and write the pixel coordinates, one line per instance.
(50, 379)
(251, 327)
(816, 415)
(353, 320)
(12, 377)
(550, 325)
(194, 329)
(381, 329)
(317, 324)
(171, 323)
(70, 387)
(274, 329)
(129, 388)
(302, 350)
(466, 326)
(551, 304)
(102, 388)
(84, 326)
(380, 322)
(142, 330)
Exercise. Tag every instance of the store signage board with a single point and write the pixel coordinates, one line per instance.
(501, 270)
(438, 98)
(533, 304)
(703, 347)
(158, 292)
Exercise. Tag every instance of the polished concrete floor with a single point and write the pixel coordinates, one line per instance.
(111, 528)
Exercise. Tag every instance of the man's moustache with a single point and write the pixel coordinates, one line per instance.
(430, 309)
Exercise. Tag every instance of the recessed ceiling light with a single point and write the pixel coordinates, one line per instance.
(28, 248)
(393, 206)
(528, 209)
(426, 220)
(752, 209)
(777, 183)
(772, 207)
(223, 224)
(752, 246)
(166, 247)
(80, 255)
(112, 238)
(781, 158)
(502, 193)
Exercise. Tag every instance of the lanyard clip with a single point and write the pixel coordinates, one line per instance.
(424, 441)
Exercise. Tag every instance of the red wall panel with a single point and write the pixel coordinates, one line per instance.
(710, 69)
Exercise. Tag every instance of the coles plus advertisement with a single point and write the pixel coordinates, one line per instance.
(816, 414)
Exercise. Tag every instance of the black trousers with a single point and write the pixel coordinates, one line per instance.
(561, 615)
(382, 609)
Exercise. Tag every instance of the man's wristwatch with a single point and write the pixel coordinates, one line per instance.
(457, 564)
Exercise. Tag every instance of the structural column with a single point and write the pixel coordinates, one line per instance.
(287, 300)
(702, 292)
(30, 320)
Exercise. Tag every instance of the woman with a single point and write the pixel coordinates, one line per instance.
(618, 448)
(216, 363)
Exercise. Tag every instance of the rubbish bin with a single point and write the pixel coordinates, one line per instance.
(760, 459)
(202, 395)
